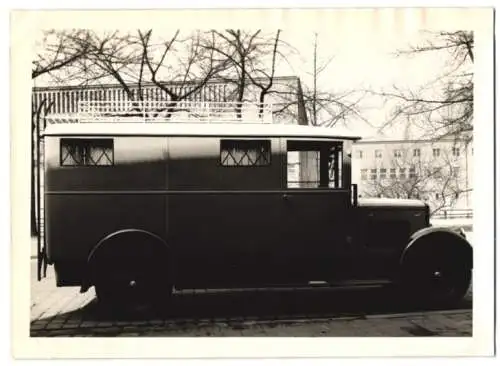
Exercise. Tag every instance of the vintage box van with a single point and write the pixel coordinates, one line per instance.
(137, 204)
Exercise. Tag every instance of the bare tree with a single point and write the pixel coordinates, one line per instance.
(264, 80)
(444, 106)
(253, 58)
(111, 56)
(323, 107)
(179, 66)
(242, 50)
(186, 62)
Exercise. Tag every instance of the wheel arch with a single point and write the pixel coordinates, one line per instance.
(128, 239)
(122, 233)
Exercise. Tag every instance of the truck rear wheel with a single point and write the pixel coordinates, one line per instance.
(128, 286)
(436, 279)
(130, 270)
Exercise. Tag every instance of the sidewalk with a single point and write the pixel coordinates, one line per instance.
(65, 312)
(456, 323)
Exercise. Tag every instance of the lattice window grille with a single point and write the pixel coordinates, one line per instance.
(246, 153)
(78, 152)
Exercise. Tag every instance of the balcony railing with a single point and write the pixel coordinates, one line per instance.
(453, 214)
(166, 111)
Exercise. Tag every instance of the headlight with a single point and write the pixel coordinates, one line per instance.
(462, 232)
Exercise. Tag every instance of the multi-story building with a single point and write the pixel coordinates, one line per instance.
(436, 171)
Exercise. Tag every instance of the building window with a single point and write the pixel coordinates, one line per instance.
(373, 174)
(456, 171)
(359, 154)
(437, 196)
(364, 174)
(87, 152)
(397, 153)
(436, 152)
(245, 152)
(393, 173)
(402, 173)
(455, 151)
(416, 152)
(412, 173)
(383, 173)
(378, 154)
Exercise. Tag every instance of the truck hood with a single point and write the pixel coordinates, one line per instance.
(390, 202)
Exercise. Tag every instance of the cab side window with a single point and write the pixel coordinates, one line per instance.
(314, 164)
(86, 152)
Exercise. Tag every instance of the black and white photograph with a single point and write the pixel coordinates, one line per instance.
(298, 174)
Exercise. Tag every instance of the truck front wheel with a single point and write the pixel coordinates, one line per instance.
(436, 279)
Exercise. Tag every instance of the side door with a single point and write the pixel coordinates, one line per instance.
(314, 209)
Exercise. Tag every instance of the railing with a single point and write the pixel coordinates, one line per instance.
(166, 111)
(453, 214)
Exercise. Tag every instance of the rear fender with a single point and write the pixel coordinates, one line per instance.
(133, 243)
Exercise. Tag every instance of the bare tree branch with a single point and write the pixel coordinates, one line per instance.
(444, 106)
(59, 52)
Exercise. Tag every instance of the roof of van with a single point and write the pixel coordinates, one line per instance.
(196, 129)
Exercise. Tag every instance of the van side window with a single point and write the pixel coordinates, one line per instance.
(87, 152)
(245, 152)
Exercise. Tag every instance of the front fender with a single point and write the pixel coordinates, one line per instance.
(434, 229)
(434, 238)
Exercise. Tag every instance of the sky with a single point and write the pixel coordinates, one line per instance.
(367, 62)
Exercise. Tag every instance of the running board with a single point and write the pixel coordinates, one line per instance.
(290, 287)
(350, 283)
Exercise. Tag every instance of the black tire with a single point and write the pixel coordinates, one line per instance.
(436, 279)
(131, 280)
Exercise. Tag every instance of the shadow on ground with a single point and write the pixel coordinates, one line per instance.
(262, 305)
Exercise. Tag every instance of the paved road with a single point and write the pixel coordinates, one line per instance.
(294, 312)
